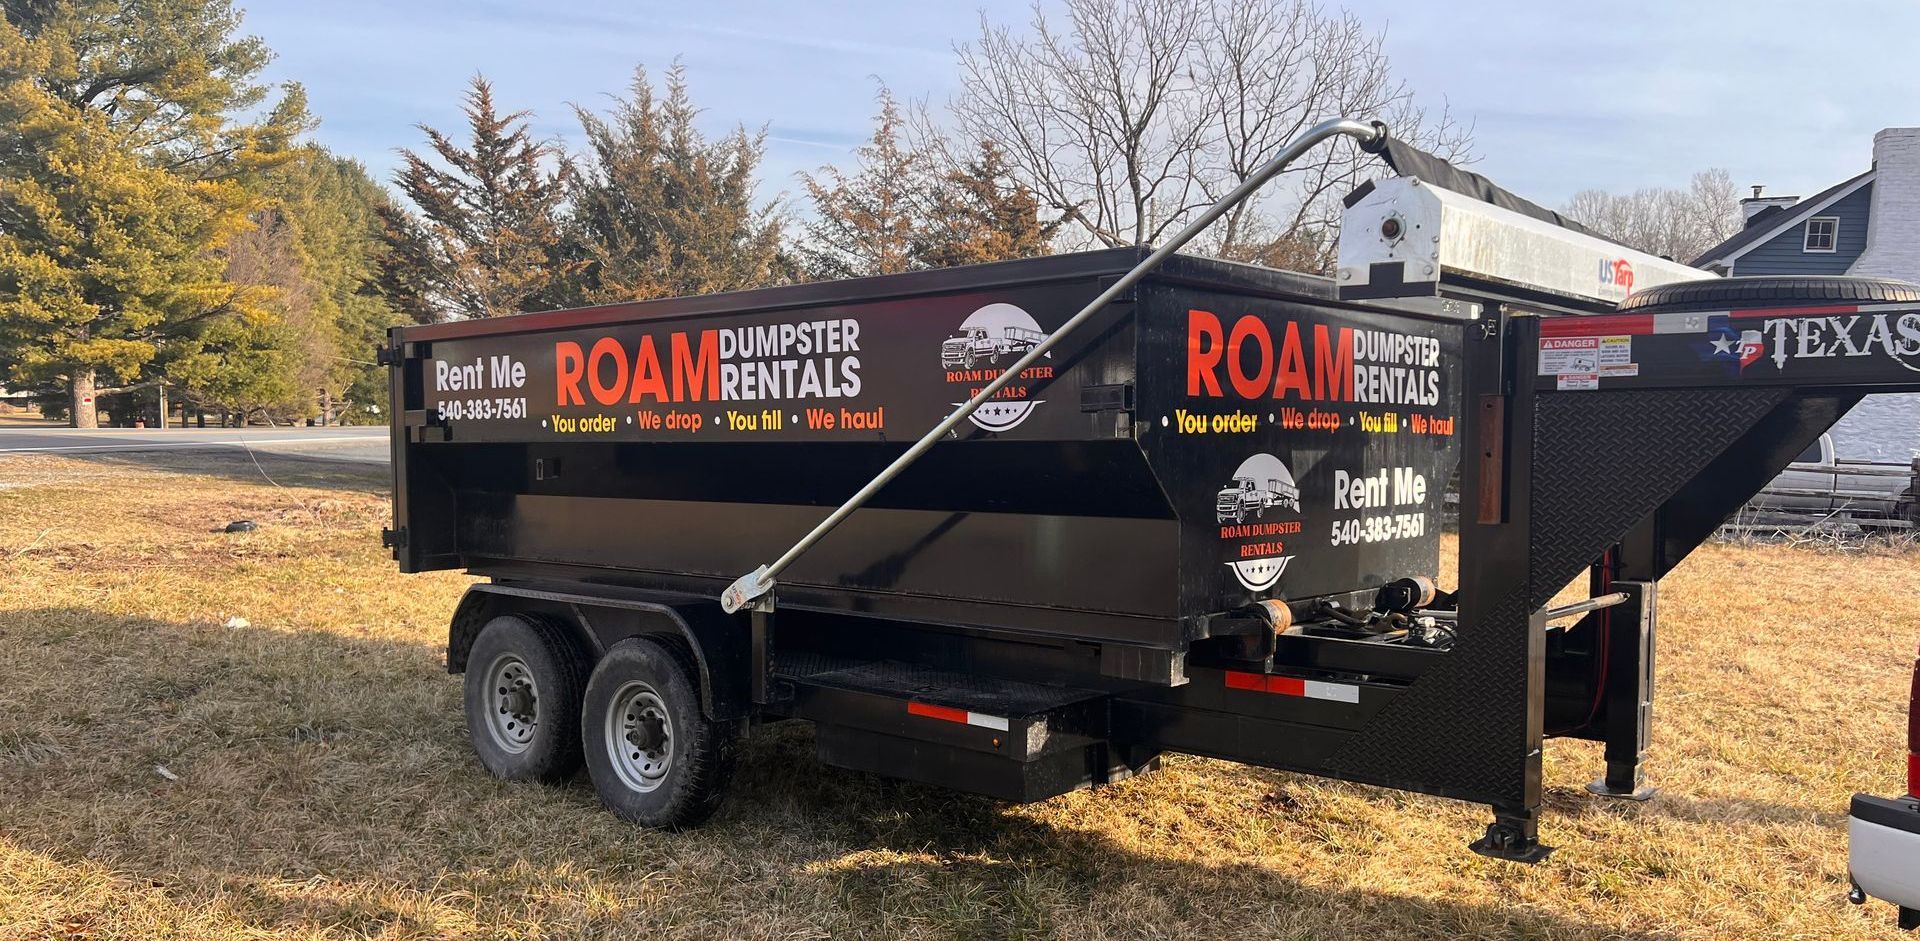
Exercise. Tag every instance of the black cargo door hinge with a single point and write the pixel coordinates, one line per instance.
(393, 538)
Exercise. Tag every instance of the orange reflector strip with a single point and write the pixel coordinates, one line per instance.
(1249, 681)
(937, 712)
(962, 716)
(1292, 686)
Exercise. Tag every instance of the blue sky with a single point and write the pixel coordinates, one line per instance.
(1564, 96)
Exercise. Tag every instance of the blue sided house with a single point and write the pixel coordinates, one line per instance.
(1866, 225)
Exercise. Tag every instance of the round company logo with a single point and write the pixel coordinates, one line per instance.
(990, 339)
(1262, 487)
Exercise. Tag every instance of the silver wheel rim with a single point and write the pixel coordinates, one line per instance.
(639, 736)
(513, 704)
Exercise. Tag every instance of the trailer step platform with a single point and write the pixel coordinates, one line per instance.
(1000, 738)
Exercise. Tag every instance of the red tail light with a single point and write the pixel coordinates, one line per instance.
(1913, 734)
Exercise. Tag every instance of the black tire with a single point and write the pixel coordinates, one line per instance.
(1768, 291)
(681, 782)
(555, 670)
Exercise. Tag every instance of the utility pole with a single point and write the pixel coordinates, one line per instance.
(161, 384)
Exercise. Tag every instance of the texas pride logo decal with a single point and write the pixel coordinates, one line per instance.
(1738, 349)
(1751, 348)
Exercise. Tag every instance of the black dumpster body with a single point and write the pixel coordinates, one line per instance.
(1122, 491)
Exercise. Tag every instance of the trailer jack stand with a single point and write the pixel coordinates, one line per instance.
(1622, 783)
(1514, 837)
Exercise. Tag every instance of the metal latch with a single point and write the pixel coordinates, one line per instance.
(393, 354)
(425, 424)
(1117, 397)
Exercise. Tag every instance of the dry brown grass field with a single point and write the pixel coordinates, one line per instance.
(317, 781)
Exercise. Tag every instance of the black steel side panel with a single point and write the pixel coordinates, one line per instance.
(1457, 729)
(1698, 510)
(991, 558)
(1603, 460)
(1355, 412)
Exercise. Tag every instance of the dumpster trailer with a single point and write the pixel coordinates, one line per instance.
(1043, 592)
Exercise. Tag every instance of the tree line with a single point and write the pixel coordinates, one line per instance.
(166, 222)
(1680, 224)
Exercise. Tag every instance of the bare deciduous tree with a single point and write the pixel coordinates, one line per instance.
(1674, 223)
(1133, 114)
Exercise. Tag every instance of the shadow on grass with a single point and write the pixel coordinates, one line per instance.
(1721, 811)
(315, 468)
(322, 780)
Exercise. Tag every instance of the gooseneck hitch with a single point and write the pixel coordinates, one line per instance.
(754, 588)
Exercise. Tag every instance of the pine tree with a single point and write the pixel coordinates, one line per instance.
(330, 210)
(405, 267)
(120, 178)
(274, 360)
(168, 77)
(865, 224)
(489, 229)
(977, 213)
(1308, 248)
(658, 210)
(104, 260)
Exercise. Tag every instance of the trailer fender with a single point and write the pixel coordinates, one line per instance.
(717, 642)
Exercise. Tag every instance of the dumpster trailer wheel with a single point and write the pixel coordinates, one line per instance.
(655, 757)
(525, 677)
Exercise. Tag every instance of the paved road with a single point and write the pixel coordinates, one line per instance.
(358, 444)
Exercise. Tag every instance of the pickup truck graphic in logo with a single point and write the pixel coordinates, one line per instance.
(988, 340)
(1261, 484)
(972, 346)
(1261, 487)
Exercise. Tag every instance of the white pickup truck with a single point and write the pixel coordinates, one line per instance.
(1883, 834)
(1819, 482)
